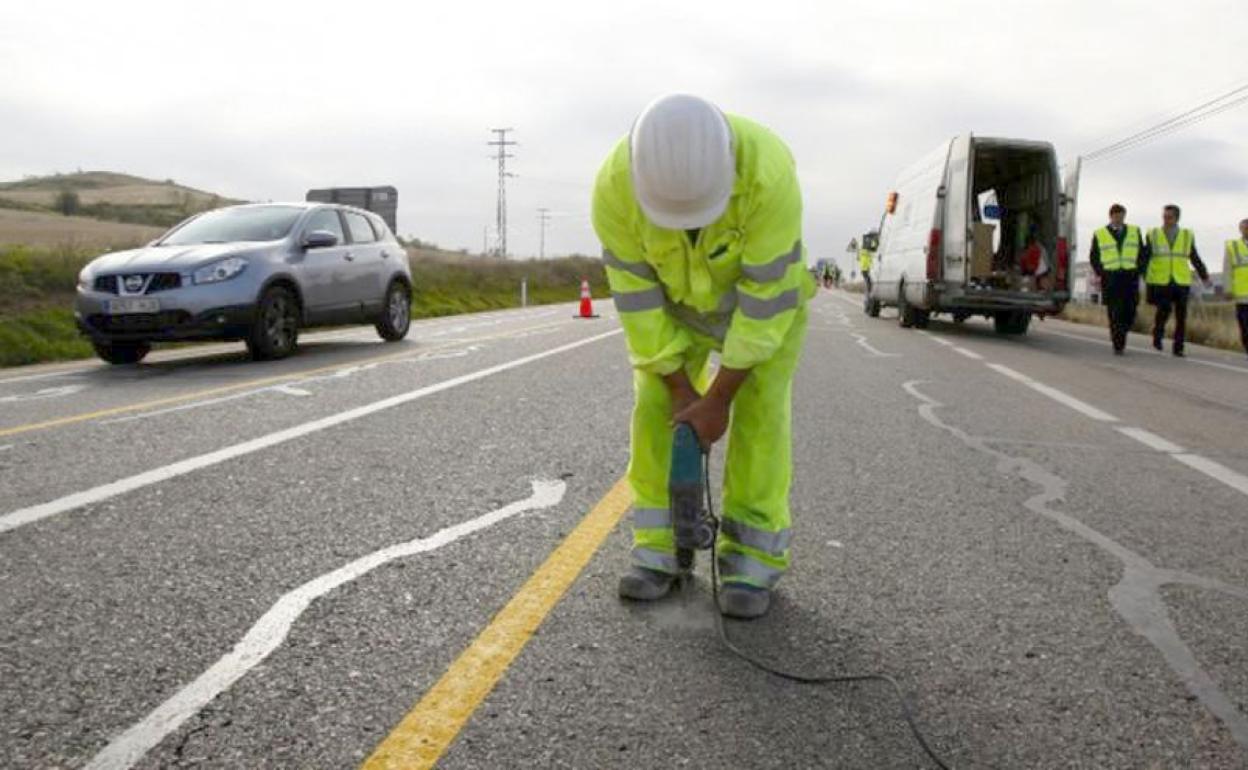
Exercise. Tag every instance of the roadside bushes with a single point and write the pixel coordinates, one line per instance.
(1208, 323)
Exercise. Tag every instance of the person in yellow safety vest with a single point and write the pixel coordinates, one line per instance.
(1118, 250)
(1235, 275)
(700, 218)
(1169, 275)
(864, 266)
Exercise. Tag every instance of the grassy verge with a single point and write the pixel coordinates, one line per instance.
(449, 284)
(1208, 323)
(37, 290)
(35, 336)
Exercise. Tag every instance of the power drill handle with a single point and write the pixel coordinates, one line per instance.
(692, 528)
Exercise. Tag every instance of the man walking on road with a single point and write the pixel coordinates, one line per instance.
(1169, 251)
(1116, 256)
(864, 266)
(700, 215)
(1235, 275)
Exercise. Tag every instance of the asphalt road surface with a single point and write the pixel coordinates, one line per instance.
(385, 554)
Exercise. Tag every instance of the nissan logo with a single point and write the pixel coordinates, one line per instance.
(134, 284)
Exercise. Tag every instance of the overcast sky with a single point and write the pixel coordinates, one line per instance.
(263, 100)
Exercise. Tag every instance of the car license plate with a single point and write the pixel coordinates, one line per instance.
(133, 305)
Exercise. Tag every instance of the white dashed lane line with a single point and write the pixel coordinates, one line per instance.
(1065, 399)
(1210, 468)
(34, 513)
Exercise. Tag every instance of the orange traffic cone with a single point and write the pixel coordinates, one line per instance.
(587, 303)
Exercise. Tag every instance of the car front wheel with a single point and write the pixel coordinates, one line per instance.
(275, 330)
(396, 318)
(121, 352)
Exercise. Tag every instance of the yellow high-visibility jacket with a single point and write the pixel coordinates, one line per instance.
(737, 288)
(864, 260)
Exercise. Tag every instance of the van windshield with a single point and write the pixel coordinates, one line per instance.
(241, 223)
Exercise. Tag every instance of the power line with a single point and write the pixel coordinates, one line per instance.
(1189, 117)
(1193, 120)
(502, 143)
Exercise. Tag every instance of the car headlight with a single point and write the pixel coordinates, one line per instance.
(223, 270)
(84, 281)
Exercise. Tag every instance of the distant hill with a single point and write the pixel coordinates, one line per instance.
(109, 196)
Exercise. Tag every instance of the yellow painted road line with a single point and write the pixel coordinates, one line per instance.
(209, 392)
(432, 725)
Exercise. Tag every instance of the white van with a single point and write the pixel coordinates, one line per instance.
(978, 227)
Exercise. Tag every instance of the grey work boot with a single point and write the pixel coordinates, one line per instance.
(645, 585)
(743, 601)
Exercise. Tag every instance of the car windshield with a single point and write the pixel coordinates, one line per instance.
(248, 223)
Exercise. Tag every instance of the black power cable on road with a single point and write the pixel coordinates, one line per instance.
(907, 711)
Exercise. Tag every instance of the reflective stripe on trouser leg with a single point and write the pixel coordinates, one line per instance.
(754, 539)
(650, 462)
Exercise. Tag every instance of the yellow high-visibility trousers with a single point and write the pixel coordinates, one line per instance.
(755, 527)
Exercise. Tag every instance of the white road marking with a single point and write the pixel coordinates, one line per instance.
(969, 354)
(934, 338)
(1149, 439)
(1137, 597)
(844, 298)
(47, 375)
(291, 390)
(268, 633)
(862, 342)
(1210, 468)
(1150, 351)
(225, 347)
(836, 544)
(1065, 399)
(39, 395)
(6, 447)
(97, 494)
(1214, 470)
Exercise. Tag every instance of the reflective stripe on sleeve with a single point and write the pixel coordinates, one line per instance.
(639, 269)
(637, 301)
(762, 309)
(775, 269)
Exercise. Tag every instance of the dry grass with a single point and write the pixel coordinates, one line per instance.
(1208, 323)
(126, 195)
(33, 228)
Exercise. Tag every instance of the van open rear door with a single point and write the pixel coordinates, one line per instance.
(1067, 234)
(957, 214)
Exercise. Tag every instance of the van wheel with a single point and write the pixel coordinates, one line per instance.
(121, 352)
(905, 314)
(275, 331)
(396, 318)
(1011, 321)
(922, 318)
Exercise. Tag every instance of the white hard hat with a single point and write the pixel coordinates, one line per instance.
(683, 164)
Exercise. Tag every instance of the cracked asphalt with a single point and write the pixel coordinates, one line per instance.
(1050, 589)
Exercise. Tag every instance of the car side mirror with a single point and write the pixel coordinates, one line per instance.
(319, 239)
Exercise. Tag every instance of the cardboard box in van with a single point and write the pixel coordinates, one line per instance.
(981, 252)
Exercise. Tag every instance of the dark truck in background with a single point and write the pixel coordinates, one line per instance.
(382, 201)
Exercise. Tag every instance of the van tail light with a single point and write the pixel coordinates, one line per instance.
(1063, 264)
(933, 254)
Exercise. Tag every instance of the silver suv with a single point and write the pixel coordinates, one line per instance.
(257, 273)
